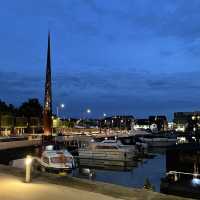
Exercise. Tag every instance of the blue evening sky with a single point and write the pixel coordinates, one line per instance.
(137, 57)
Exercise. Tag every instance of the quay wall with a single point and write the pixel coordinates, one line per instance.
(19, 144)
(112, 190)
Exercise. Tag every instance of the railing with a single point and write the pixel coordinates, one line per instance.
(183, 173)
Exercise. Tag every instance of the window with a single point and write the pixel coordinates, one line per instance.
(60, 159)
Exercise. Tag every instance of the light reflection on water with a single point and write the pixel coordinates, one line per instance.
(153, 169)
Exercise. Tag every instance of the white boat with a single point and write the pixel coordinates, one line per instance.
(159, 141)
(154, 140)
(56, 160)
(111, 150)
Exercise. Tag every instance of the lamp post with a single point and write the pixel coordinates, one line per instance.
(104, 115)
(88, 111)
(28, 163)
(57, 108)
(121, 121)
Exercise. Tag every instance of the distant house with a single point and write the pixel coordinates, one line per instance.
(186, 121)
(118, 121)
(141, 124)
(160, 121)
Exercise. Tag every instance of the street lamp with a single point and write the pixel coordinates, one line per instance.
(88, 111)
(121, 122)
(104, 115)
(62, 105)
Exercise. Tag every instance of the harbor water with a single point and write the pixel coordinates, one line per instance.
(152, 168)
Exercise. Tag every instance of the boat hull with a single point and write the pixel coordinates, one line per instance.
(106, 155)
(156, 142)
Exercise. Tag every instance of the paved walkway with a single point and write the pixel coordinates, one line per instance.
(12, 188)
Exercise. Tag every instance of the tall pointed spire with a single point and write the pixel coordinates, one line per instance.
(48, 94)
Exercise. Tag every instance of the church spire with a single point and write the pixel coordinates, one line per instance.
(48, 93)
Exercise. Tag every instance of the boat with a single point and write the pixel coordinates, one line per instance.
(158, 140)
(56, 160)
(111, 150)
(155, 140)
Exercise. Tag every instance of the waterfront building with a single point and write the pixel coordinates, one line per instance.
(186, 121)
(11, 125)
(21, 124)
(117, 122)
(154, 123)
(141, 124)
(7, 124)
(35, 125)
(160, 121)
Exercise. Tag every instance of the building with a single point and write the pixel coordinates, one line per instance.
(11, 125)
(160, 121)
(21, 124)
(7, 124)
(186, 121)
(141, 124)
(122, 122)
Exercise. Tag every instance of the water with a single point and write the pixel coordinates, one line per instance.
(153, 169)
(184, 158)
(134, 176)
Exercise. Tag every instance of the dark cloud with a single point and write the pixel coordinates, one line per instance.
(126, 92)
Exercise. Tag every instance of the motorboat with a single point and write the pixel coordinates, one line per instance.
(56, 160)
(112, 150)
(154, 140)
(159, 141)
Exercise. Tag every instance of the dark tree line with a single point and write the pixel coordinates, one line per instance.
(30, 108)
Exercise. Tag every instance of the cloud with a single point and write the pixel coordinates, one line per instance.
(130, 92)
(135, 56)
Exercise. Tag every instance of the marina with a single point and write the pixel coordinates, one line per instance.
(78, 156)
(119, 119)
(132, 174)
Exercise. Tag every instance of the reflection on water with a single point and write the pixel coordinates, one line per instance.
(131, 176)
(183, 158)
(183, 171)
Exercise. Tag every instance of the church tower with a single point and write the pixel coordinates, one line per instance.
(47, 113)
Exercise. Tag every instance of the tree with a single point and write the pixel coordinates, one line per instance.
(31, 108)
(7, 109)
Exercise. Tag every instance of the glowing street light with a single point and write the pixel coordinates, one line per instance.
(62, 105)
(88, 111)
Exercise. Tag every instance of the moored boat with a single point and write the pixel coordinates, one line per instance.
(56, 160)
(108, 150)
